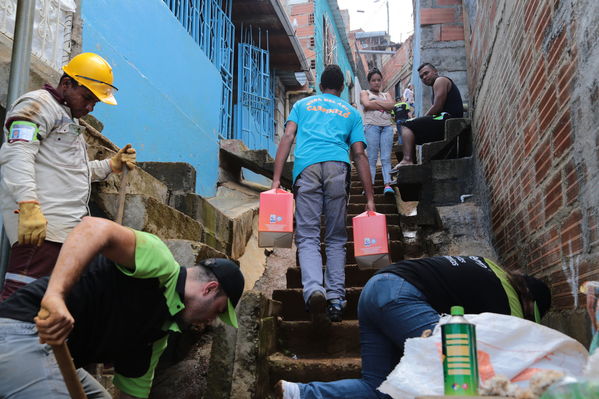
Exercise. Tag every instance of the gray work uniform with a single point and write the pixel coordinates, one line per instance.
(52, 169)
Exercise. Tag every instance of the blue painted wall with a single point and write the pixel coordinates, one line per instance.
(169, 91)
(321, 8)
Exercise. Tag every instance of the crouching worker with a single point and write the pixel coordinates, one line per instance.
(115, 293)
(404, 299)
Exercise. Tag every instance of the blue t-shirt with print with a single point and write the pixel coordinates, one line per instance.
(327, 126)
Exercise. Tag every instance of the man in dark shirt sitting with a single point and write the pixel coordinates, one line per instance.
(116, 294)
(447, 103)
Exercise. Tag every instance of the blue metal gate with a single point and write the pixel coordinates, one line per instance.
(209, 23)
(254, 111)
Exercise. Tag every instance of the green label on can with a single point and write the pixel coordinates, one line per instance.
(460, 365)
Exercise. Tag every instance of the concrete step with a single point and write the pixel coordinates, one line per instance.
(146, 213)
(188, 253)
(294, 309)
(354, 276)
(457, 142)
(282, 367)
(179, 177)
(380, 208)
(303, 340)
(359, 198)
(138, 182)
(392, 219)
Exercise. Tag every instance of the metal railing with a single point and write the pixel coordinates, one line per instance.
(209, 23)
(254, 112)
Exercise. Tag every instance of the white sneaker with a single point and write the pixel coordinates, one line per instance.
(286, 390)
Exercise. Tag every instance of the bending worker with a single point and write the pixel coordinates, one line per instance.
(404, 299)
(46, 175)
(117, 307)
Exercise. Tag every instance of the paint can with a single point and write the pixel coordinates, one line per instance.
(460, 364)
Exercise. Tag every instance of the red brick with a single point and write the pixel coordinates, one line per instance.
(539, 75)
(565, 80)
(531, 137)
(542, 25)
(571, 179)
(529, 12)
(571, 233)
(535, 216)
(451, 33)
(562, 135)
(553, 196)
(430, 16)
(547, 107)
(449, 2)
(305, 31)
(305, 8)
(542, 161)
(557, 48)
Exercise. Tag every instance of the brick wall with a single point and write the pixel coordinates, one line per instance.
(534, 92)
(398, 68)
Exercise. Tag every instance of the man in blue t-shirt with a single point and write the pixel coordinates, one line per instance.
(326, 128)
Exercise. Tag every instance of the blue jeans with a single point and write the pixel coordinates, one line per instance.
(399, 137)
(379, 138)
(28, 369)
(321, 189)
(390, 310)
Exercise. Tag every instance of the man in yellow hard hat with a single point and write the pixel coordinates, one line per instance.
(45, 173)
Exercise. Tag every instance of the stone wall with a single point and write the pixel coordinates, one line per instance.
(441, 43)
(534, 92)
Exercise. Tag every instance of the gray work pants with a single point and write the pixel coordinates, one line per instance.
(321, 189)
(29, 370)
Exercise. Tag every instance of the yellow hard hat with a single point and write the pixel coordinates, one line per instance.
(92, 71)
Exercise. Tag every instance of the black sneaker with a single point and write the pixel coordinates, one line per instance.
(317, 307)
(335, 310)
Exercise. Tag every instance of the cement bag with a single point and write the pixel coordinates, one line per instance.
(506, 345)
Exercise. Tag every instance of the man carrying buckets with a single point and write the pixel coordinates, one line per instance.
(326, 127)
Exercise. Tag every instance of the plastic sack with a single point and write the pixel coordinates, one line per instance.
(506, 345)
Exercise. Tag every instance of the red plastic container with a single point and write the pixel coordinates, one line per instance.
(275, 219)
(371, 246)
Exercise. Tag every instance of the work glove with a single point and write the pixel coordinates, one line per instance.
(32, 224)
(127, 156)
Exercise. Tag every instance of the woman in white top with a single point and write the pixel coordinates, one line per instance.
(378, 126)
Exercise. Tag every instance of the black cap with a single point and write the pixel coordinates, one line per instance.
(540, 293)
(231, 280)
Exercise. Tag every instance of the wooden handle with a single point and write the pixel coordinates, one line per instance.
(122, 195)
(66, 365)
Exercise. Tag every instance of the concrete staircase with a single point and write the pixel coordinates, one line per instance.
(304, 354)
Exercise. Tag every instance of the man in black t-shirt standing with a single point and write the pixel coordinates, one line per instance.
(116, 294)
(447, 103)
(405, 298)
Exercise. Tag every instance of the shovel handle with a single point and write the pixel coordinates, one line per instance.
(122, 195)
(66, 365)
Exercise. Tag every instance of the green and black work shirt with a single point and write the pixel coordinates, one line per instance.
(473, 282)
(122, 316)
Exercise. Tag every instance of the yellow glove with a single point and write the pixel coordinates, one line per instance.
(127, 156)
(32, 224)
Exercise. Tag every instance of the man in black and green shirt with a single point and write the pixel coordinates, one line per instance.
(406, 298)
(115, 293)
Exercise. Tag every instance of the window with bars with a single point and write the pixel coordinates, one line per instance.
(312, 64)
(311, 19)
(330, 44)
(312, 43)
